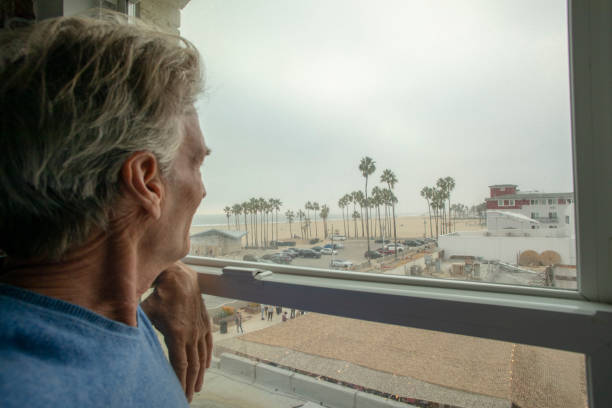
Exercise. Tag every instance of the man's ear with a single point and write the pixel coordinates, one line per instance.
(142, 181)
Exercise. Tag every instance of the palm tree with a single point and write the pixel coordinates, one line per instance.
(355, 216)
(438, 205)
(308, 207)
(236, 210)
(228, 213)
(359, 198)
(377, 201)
(367, 167)
(389, 177)
(276, 203)
(290, 216)
(261, 206)
(342, 204)
(348, 199)
(450, 186)
(253, 209)
(315, 207)
(245, 210)
(301, 214)
(427, 193)
(353, 200)
(324, 214)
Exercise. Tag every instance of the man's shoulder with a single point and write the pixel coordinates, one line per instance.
(54, 353)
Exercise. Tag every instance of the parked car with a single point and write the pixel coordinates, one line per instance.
(336, 237)
(411, 243)
(250, 258)
(392, 247)
(317, 248)
(292, 254)
(389, 250)
(281, 258)
(309, 253)
(267, 256)
(339, 263)
(372, 254)
(328, 251)
(334, 246)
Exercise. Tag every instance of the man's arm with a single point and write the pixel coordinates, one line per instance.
(176, 309)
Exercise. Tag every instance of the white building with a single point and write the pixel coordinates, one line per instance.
(551, 210)
(519, 222)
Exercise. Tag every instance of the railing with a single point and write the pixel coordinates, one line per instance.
(536, 316)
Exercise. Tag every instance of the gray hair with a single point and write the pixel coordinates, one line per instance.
(78, 96)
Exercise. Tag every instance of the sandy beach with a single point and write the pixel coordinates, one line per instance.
(407, 227)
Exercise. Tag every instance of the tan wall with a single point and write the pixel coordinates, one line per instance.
(214, 246)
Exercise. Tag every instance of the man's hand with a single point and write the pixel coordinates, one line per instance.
(178, 312)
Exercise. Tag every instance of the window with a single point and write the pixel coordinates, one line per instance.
(552, 215)
(132, 8)
(500, 203)
(551, 201)
(567, 219)
(512, 203)
(585, 76)
(534, 215)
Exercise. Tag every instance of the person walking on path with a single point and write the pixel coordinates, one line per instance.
(238, 321)
(270, 313)
(279, 310)
(292, 313)
(264, 309)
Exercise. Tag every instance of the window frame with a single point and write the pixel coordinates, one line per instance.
(523, 315)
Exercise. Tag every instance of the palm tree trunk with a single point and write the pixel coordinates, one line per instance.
(246, 228)
(394, 230)
(367, 225)
(430, 226)
(362, 229)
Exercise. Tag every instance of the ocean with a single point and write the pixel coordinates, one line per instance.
(201, 220)
(221, 219)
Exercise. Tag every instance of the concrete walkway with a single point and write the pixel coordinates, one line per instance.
(225, 391)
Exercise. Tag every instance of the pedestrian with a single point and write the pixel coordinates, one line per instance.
(262, 307)
(238, 321)
(265, 312)
(292, 313)
(285, 317)
(279, 310)
(270, 313)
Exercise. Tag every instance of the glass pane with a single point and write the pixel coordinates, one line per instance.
(421, 367)
(462, 107)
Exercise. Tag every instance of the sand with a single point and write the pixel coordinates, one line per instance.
(407, 227)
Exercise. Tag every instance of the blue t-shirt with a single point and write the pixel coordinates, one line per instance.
(57, 354)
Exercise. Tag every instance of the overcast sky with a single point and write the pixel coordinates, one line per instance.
(297, 92)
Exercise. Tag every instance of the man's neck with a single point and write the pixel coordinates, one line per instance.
(107, 276)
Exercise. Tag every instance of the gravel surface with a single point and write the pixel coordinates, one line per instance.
(530, 376)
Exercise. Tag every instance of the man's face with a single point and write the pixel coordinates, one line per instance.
(184, 187)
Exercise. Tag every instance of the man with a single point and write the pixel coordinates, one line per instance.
(99, 178)
(238, 321)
